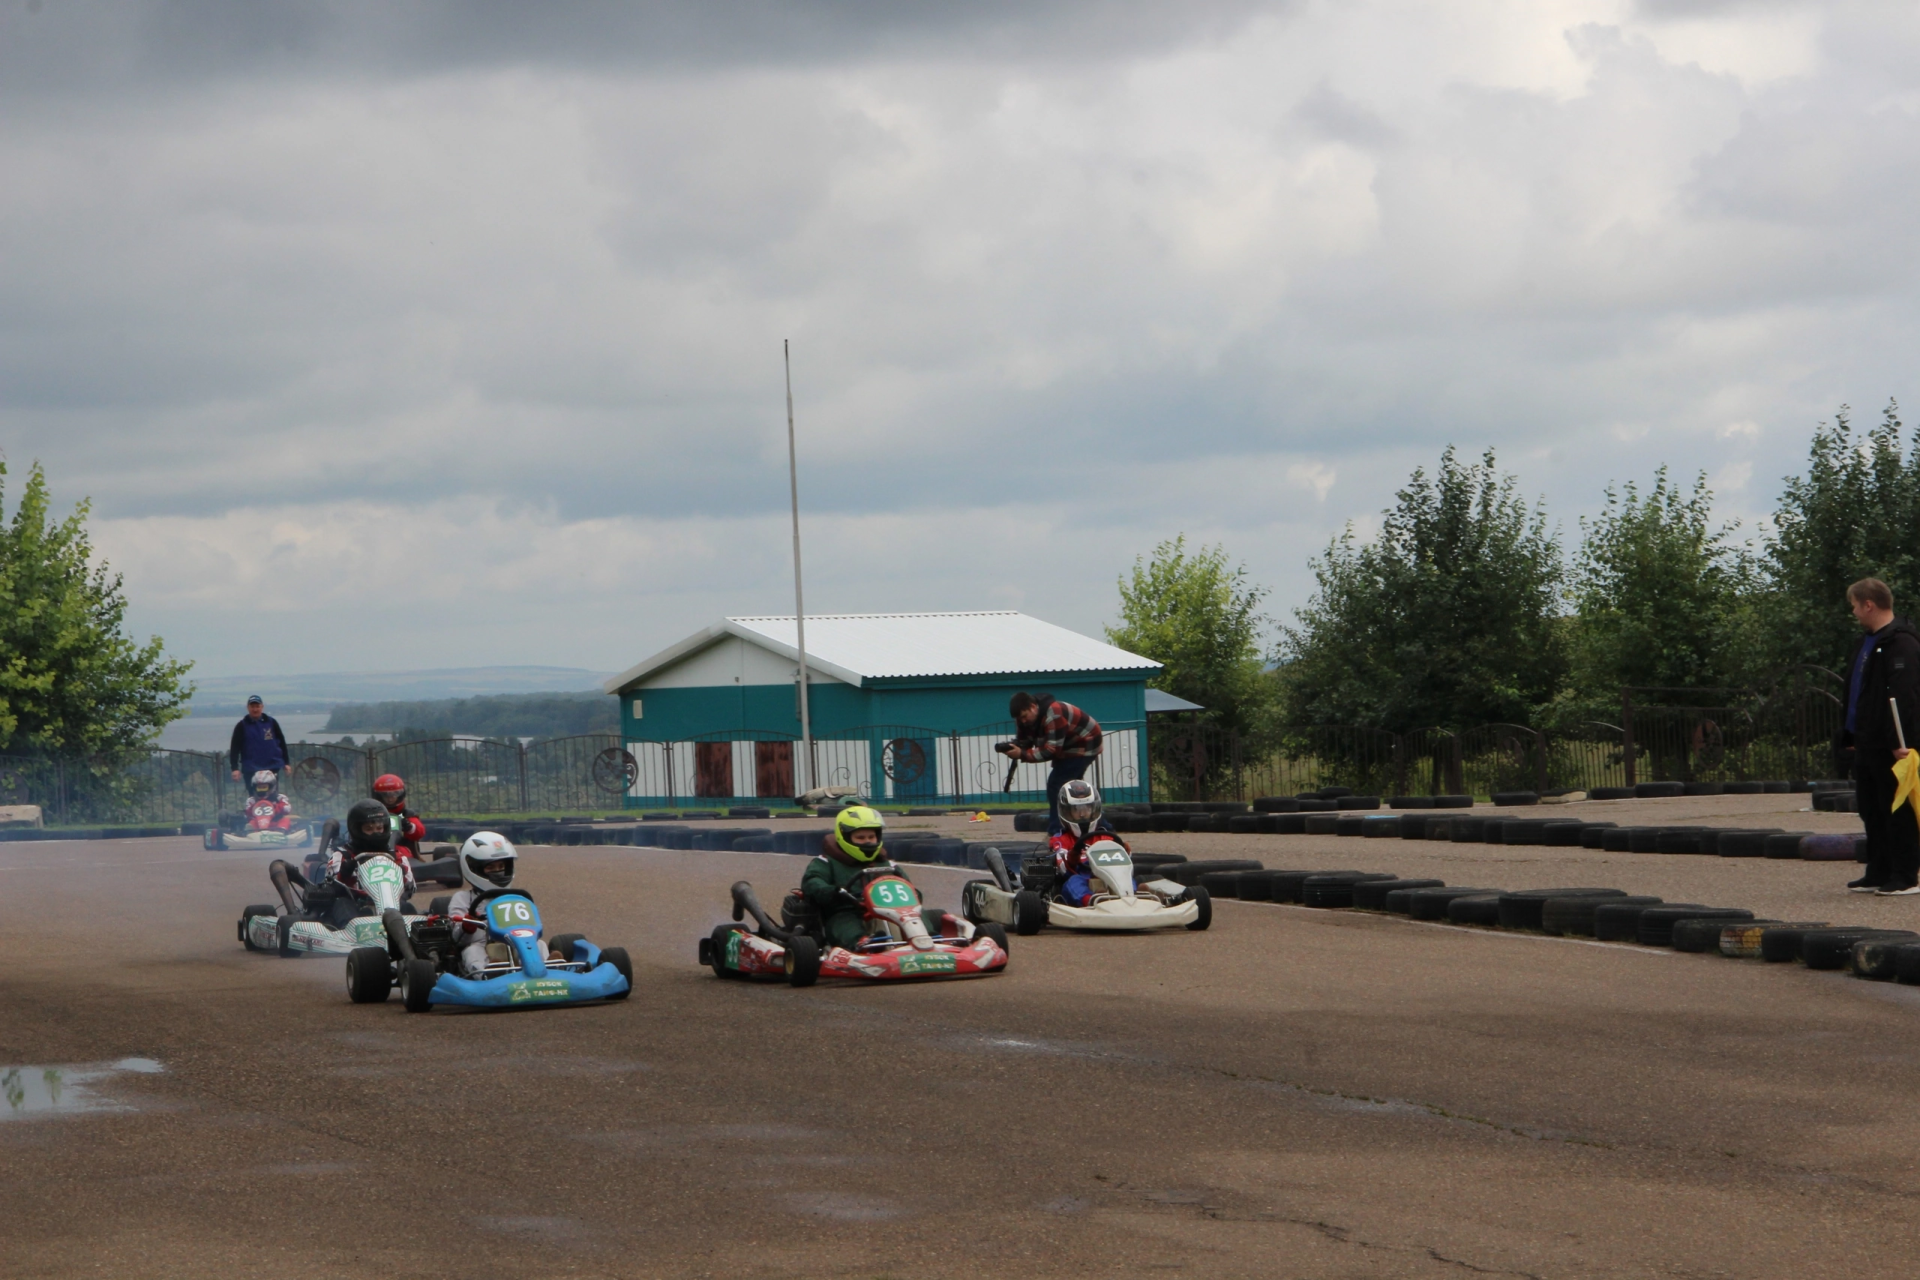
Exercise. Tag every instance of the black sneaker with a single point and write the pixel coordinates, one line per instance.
(1864, 885)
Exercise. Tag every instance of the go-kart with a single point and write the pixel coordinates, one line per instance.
(320, 914)
(905, 938)
(251, 830)
(1033, 900)
(521, 972)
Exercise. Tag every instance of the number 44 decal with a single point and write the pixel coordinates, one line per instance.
(1111, 858)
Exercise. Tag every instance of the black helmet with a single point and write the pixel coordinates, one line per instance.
(1080, 807)
(369, 827)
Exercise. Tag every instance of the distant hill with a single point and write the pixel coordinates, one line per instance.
(227, 695)
(510, 715)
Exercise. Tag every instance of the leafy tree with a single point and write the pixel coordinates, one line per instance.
(73, 684)
(1660, 595)
(1201, 620)
(1854, 514)
(1446, 619)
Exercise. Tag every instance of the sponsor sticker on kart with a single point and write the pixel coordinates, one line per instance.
(537, 989)
(936, 962)
(264, 931)
(369, 932)
(733, 948)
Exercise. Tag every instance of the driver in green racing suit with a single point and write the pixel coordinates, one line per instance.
(853, 846)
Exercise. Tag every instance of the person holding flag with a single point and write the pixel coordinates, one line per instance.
(1883, 698)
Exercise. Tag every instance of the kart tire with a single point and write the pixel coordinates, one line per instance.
(1205, 901)
(440, 905)
(1029, 913)
(286, 952)
(803, 961)
(997, 933)
(717, 952)
(369, 975)
(564, 945)
(257, 909)
(617, 957)
(416, 984)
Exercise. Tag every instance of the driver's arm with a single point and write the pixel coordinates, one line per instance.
(817, 886)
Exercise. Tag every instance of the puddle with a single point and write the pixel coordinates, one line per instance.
(69, 1090)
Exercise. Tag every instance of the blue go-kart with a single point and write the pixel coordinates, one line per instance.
(520, 972)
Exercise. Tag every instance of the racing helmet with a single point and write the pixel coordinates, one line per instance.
(858, 817)
(1080, 807)
(263, 784)
(390, 789)
(484, 849)
(369, 829)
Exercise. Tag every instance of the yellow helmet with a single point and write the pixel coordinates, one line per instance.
(858, 817)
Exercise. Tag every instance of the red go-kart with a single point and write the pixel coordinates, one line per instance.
(905, 939)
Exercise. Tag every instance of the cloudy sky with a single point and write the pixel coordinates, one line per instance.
(391, 335)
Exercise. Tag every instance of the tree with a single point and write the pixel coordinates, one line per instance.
(73, 684)
(1660, 595)
(1854, 514)
(1447, 619)
(1201, 620)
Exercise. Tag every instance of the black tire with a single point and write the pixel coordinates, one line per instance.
(286, 952)
(564, 944)
(416, 984)
(1205, 901)
(618, 958)
(440, 905)
(717, 951)
(1029, 913)
(803, 961)
(998, 934)
(369, 975)
(257, 909)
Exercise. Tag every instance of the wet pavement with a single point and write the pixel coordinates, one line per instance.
(1294, 1093)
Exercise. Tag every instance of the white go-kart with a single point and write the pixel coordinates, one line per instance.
(330, 917)
(1031, 901)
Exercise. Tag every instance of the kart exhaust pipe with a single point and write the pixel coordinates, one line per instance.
(998, 865)
(747, 903)
(277, 872)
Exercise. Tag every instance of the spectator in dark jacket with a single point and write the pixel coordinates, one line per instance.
(1885, 667)
(258, 742)
(1058, 732)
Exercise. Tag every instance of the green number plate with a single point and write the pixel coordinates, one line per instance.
(510, 914)
(892, 893)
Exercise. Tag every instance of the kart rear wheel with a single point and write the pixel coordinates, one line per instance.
(246, 918)
(1029, 913)
(617, 957)
(994, 931)
(369, 975)
(803, 961)
(286, 923)
(1205, 901)
(416, 984)
(564, 945)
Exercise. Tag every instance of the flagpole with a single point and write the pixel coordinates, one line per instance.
(803, 782)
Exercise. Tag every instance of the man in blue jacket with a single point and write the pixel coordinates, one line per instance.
(257, 743)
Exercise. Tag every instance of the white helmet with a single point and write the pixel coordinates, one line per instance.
(483, 849)
(1080, 807)
(263, 782)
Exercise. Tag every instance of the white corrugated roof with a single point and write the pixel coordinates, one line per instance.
(857, 647)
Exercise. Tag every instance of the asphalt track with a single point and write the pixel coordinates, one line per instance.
(1295, 1093)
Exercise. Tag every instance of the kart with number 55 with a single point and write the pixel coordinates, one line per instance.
(904, 938)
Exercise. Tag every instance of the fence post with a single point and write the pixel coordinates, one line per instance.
(959, 784)
(1626, 732)
(1457, 771)
(1399, 765)
(524, 805)
(1540, 761)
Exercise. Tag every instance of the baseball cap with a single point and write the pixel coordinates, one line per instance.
(255, 701)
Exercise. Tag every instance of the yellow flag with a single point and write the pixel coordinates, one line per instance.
(1907, 770)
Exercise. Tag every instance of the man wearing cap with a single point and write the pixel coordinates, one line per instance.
(257, 743)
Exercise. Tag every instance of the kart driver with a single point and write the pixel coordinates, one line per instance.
(852, 847)
(408, 831)
(267, 809)
(367, 831)
(1082, 821)
(486, 865)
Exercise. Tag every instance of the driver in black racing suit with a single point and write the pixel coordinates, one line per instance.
(335, 897)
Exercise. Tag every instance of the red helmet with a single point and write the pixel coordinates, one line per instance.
(391, 790)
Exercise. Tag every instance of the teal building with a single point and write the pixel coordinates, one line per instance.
(904, 708)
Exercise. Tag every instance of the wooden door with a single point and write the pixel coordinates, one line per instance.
(713, 769)
(773, 768)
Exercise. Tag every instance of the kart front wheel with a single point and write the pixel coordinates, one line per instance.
(994, 931)
(1029, 913)
(617, 957)
(246, 918)
(803, 961)
(369, 975)
(563, 945)
(1205, 902)
(416, 984)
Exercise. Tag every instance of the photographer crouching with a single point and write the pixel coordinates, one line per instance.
(1057, 732)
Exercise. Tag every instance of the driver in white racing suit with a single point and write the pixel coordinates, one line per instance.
(1082, 821)
(486, 865)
